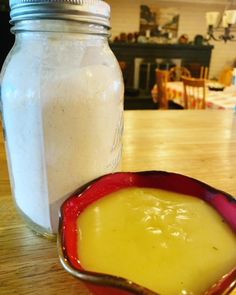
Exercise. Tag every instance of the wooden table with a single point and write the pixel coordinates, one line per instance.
(201, 144)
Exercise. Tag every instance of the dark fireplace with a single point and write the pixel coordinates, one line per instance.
(144, 71)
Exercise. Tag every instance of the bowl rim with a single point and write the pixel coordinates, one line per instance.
(226, 284)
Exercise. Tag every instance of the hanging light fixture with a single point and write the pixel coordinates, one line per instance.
(221, 24)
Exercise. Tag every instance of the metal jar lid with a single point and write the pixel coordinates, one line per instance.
(89, 11)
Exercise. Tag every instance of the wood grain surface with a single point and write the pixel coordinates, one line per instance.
(201, 144)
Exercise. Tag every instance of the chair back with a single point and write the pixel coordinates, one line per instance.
(226, 77)
(176, 73)
(204, 72)
(162, 77)
(194, 93)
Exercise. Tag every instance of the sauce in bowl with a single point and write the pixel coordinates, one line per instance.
(165, 241)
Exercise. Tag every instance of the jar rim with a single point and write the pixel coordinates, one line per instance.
(88, 11)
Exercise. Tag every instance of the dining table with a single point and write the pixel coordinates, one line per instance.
(222, 98)
(196, 143)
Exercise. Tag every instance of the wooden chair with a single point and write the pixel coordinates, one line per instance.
(162, 77)
(226, 77)
(204, 72)
(194, 93)
(177, 72)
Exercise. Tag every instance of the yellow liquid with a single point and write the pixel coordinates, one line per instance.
(167, 242)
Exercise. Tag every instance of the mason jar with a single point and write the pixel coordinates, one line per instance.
(62, 104)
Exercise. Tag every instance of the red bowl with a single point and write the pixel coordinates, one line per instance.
(105, 284)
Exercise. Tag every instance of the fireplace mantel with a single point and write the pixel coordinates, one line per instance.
(189, 52)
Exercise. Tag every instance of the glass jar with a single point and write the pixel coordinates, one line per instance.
(62, 104)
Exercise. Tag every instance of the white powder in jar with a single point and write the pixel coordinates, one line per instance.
(63, 120)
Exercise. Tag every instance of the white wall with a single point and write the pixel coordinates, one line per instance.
(125, 18)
